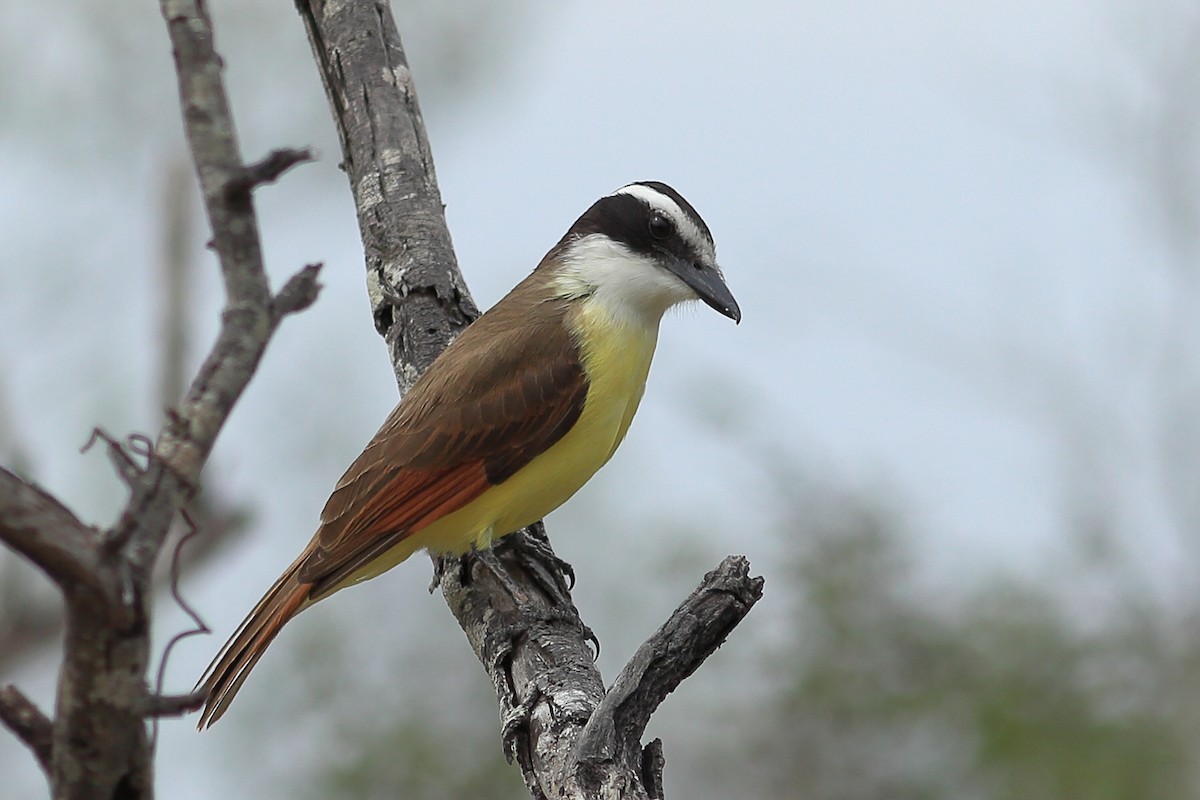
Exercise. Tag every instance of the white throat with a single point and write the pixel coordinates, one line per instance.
(629, 287)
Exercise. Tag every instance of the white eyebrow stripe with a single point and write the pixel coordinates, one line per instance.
(683, 222)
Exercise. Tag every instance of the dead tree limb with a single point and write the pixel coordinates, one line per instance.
(96, 744)
(570, 738)
(33, 620)
(28, 723)
(39, 527)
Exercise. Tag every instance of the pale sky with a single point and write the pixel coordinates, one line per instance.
(950, 289)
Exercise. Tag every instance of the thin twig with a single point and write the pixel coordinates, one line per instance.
(268, 170)
(39, 527)
(298, 293)
(170, 705)
(127, 469)
(26, 720)
(194, 700)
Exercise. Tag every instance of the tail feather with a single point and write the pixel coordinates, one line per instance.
(229, 670)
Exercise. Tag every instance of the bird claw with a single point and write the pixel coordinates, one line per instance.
(514, 723)
(443, 562)
(489, 559)
(531, 548)
(553, 575)
(514, 714)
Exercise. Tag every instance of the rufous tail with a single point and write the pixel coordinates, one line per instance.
(228, 671)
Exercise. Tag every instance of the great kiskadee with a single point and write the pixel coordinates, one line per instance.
(511, 419)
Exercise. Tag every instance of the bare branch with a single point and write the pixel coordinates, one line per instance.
(176, 266)
(524, 629)
(26, 720)
(172, 705)
(128, 470)
(247, 322)
(388, 160)
(100, 744)
(298, 293)
(694, 631)
(268, 170)
(249, 318)
(420, 301)
(43, 530)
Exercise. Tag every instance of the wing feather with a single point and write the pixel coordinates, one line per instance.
(502, 394)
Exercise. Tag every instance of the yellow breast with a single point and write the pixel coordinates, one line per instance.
(616, 354)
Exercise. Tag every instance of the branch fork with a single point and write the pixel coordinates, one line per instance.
(570, 738)
(97, 745)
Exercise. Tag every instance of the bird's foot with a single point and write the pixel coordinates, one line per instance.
(514, 724)
(552, 574)
(444, 562)
(531, 548)
(501, 639)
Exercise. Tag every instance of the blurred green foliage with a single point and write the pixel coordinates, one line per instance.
(879, 687)
(420, 759)
(883, 690)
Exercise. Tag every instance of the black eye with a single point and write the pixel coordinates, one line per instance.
(660, 226)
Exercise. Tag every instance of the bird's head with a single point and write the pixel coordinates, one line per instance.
(643, 246)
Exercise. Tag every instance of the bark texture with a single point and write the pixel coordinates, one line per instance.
(571, 738)
(96, 745)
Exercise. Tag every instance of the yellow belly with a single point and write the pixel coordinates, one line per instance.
(617, 360)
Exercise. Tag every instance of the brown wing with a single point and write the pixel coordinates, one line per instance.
(501, 394)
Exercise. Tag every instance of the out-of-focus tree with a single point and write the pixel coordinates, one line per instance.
(872, 684)
(439, 747)
(1081, 679)
(81, 145)
(103, 236)
(883, 690)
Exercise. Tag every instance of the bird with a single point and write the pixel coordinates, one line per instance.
(513, 417)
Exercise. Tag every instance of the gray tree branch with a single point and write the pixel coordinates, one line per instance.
(98, 744)
(39, 527)
(33, 618)
(693, 632)
(28, 723)
(569, 738)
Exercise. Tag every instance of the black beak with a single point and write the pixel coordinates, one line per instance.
(706, 281)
